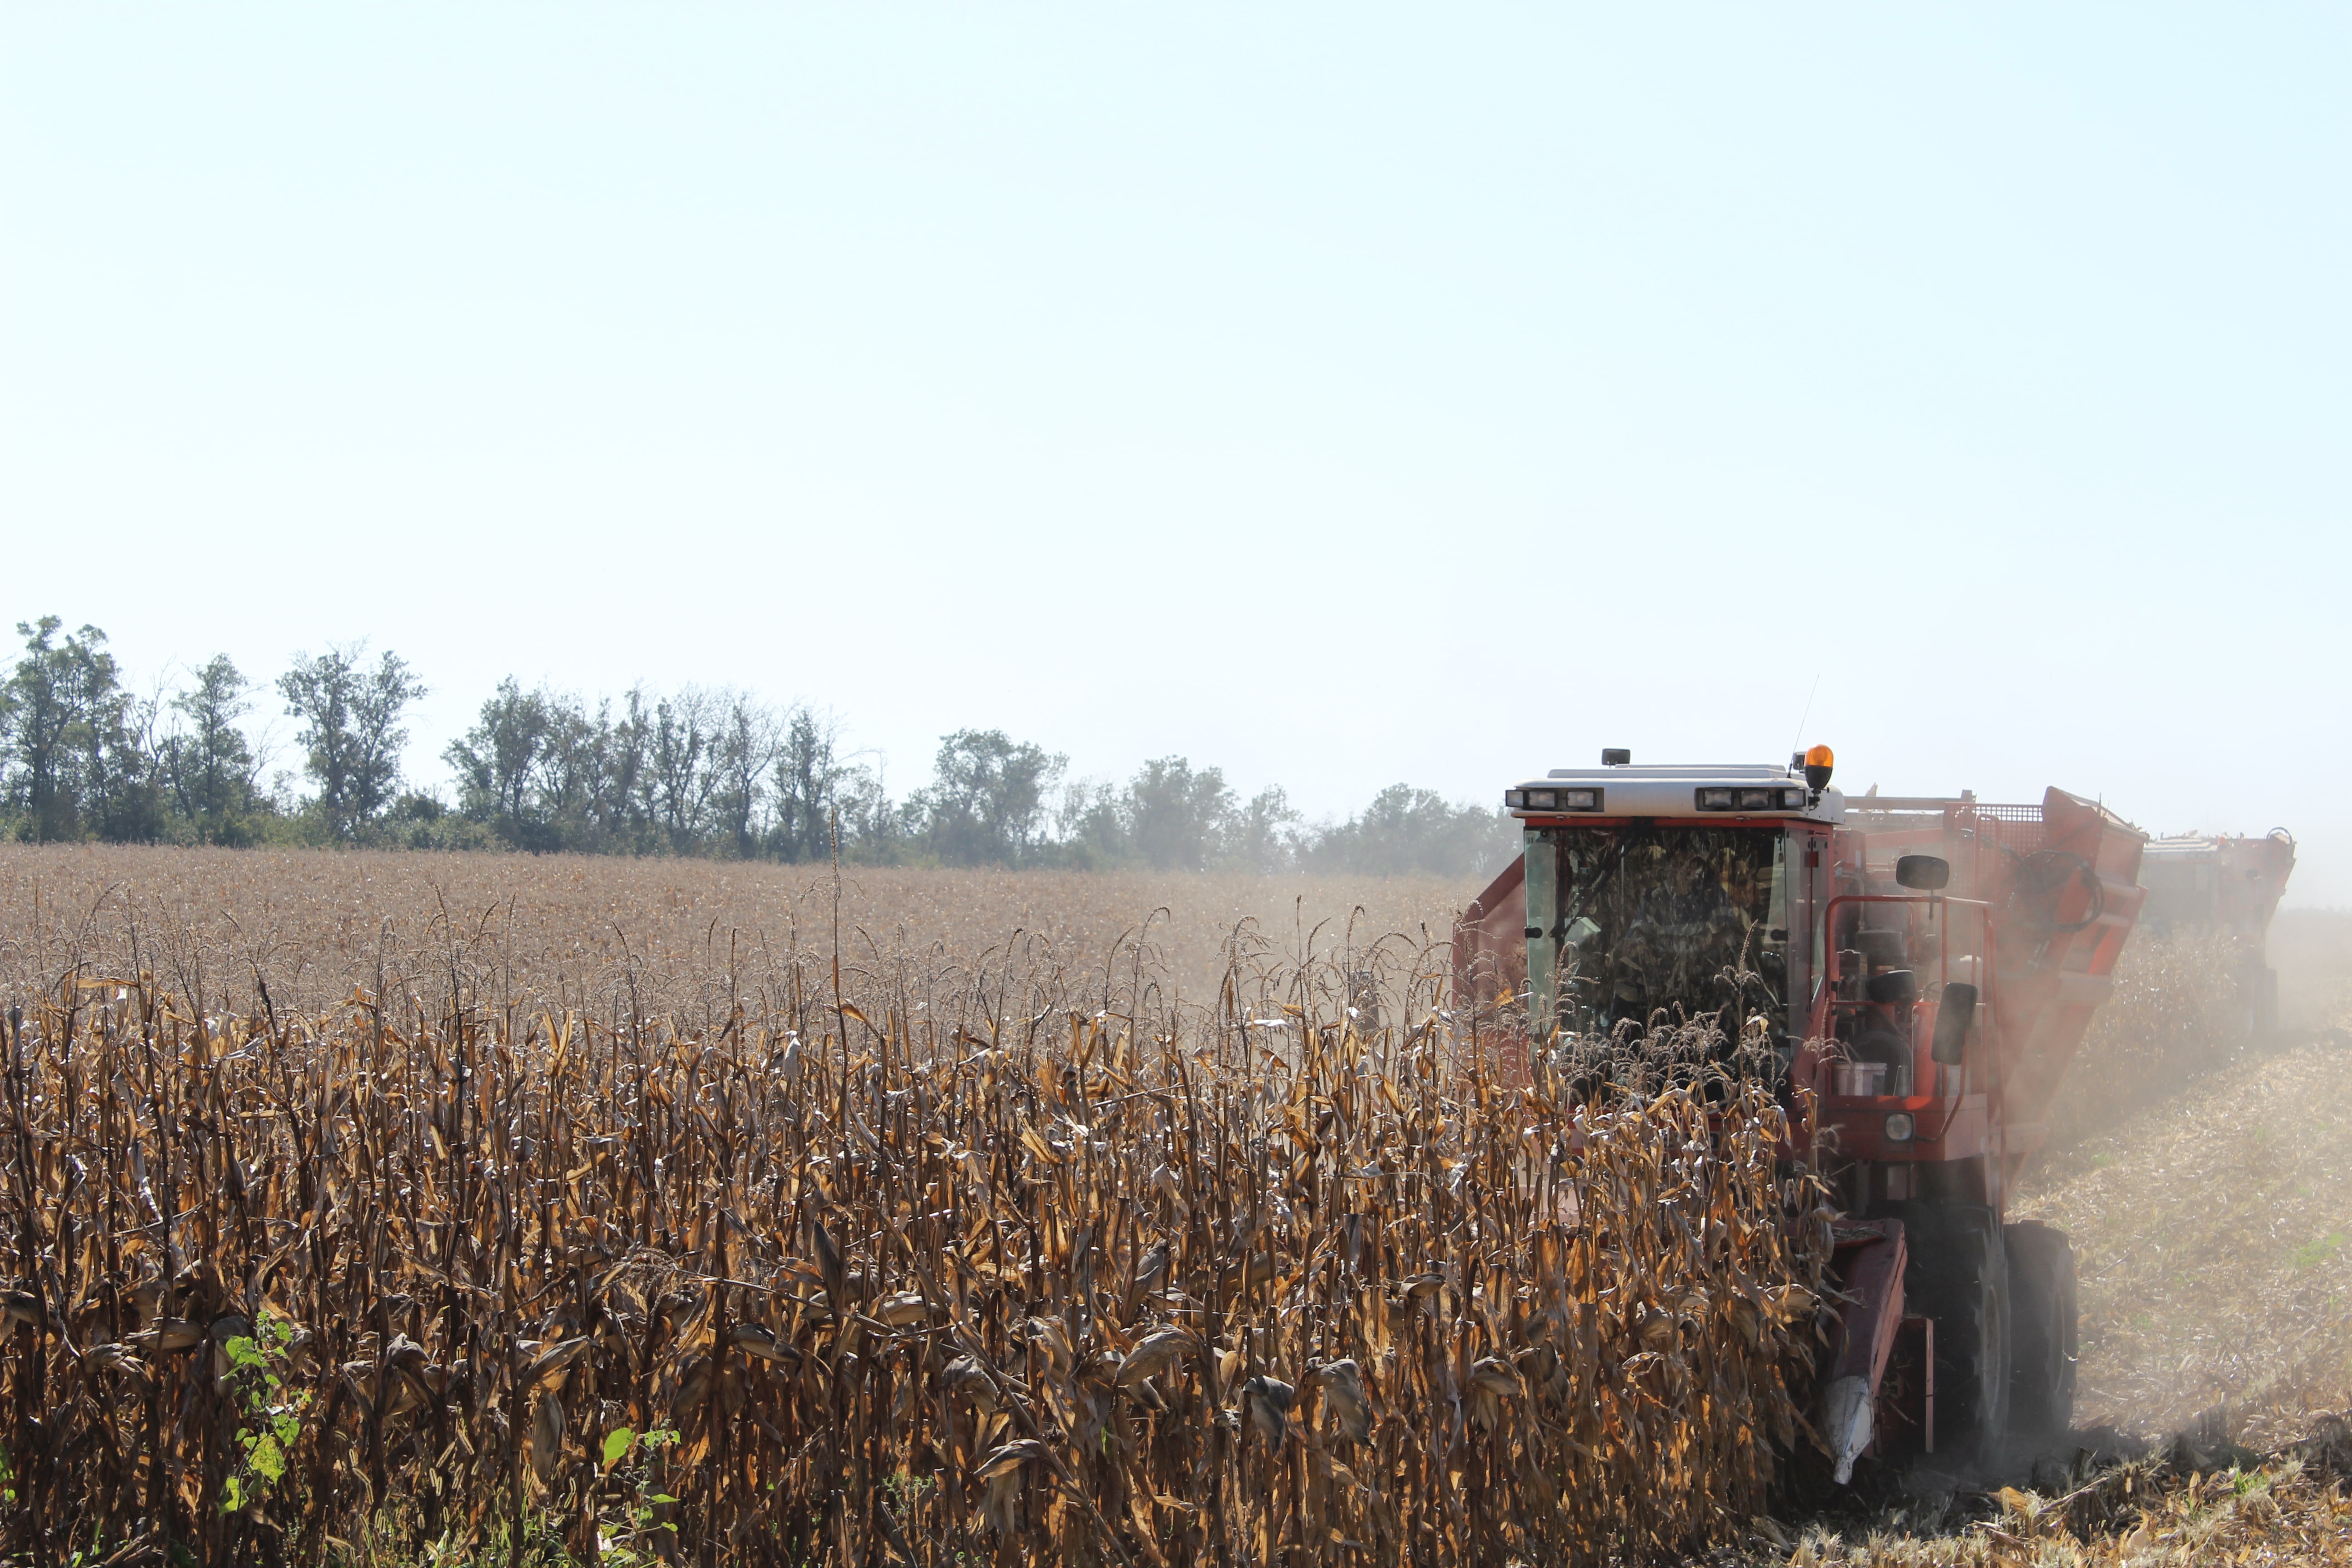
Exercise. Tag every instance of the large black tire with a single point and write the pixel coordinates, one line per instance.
(1958, 1276)
(2043, 1327)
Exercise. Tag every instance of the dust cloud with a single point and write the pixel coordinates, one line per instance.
(2312, 951)
(2211, 1201)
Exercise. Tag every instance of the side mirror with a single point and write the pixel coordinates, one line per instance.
(1924, 873)
(1956, 1015)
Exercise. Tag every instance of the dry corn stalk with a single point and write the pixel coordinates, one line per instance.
(1090, 1281)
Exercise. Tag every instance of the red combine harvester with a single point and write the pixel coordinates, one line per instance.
(2210, 882)
(1924, 967)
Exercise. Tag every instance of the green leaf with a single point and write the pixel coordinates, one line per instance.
(616, 1444)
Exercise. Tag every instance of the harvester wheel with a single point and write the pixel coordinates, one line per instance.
(1958, 1276)
(2043, 1343)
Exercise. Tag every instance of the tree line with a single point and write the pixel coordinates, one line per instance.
(703, 770)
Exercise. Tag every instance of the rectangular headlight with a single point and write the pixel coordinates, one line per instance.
(1579, 800)
(1792, 800)
(1714, 800)
(1756, 799)
(1543, 800)
(1514, 800)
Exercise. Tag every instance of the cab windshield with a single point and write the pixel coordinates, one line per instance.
(1684, 921)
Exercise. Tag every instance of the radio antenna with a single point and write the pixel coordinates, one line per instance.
(1798, 744)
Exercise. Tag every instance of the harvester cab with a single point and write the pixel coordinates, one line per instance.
(1918, 970)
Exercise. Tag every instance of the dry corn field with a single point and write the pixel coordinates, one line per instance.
(576, 931)
(335, 1244)
(494, 1210)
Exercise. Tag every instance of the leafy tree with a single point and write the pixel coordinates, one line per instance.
(679, 783)
(1092, 826)
(874, 828)
(208, 763)
(700, 772)
(986, 801)
(1407, 831)
(350, 731)
(592, 781)
(79, 770)
(1261, 835)
(809, 779)
(500, 761)
(1177, 817)
(746, 745)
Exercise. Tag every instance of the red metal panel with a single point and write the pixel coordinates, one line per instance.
(1490, 942)
(1490, 966)
(1870, 1260)
(1913, 1404)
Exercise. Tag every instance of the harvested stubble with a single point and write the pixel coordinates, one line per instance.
(2289, 1510)
(2209, 1236)
(1060, 1281)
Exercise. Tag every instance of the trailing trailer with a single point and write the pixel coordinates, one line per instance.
(2228, 885)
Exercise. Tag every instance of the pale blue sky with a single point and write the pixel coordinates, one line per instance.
(1340, 394)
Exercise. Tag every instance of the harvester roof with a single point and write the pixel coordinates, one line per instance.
(1677, 789)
